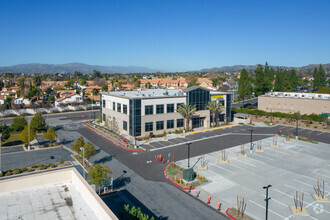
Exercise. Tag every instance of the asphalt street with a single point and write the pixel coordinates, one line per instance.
(22, 159)
(253, 101)
(60, 118)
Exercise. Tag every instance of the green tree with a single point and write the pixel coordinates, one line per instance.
(138, 83)
(25, 134)
(1, 85)
(262, 81)
(38, 123)
(214, 107)
(244, 86)
(148, 85)
(316, 81)
(324, 90)
(279, 81)
(50, 134)
(5, 131)
(49, 90)
(286, 82)
(293, 78)
(186, 111)
(99, 175)
(37, 80)
(95, 91)
(69, 84)
(89, 150)
(78, 144)
(18, 123)
(83, 82)
(96, 74)
(104, 87)
(323, 77)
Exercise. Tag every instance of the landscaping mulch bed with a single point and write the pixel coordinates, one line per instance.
(175, 173)
(233, 213)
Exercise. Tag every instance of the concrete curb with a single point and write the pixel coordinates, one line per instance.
(212, 129)
(229, 215)
(111, 140)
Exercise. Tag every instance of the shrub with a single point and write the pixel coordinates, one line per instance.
(8, 173)
(29, 170)
(16, 171)
(61, 162)
(1, 174)
(46, 145)
(23, 169)
(315, 126)
(41, 167)
(33, 166)
(52, 165)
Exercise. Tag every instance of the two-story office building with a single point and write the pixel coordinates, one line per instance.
(138, 113)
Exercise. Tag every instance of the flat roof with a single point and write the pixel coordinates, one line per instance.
(298, 95)
(53, 201)
(61, 193)
(147, 93)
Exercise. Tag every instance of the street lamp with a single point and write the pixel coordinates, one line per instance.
(0, 153)
(188, 145)
(267, 199)
(251, 148)
(83, 150)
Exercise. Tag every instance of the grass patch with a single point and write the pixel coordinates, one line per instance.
(13, 140)
(233, 212)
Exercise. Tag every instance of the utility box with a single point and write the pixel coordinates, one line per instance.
(188, 174)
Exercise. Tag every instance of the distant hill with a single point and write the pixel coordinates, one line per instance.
(72, 67)
(237, 68)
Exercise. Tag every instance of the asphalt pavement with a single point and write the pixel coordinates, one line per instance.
(253, 101)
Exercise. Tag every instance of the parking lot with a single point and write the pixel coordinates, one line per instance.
(288, 168)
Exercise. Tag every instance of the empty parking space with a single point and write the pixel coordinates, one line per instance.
(289, 168)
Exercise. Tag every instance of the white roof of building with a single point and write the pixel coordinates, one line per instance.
(299, 95)
(146, 93)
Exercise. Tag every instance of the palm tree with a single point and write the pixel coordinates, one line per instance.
(214, 107)
(186, 111)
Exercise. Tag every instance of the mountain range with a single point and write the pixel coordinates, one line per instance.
(237, 68)
(85, 68)
(72, 67)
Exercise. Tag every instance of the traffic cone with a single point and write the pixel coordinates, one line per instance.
(219, 206)
(208, 198)
(197, 193)
(189, 189)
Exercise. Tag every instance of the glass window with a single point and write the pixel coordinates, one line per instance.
(170, 124)
(199, 98)
(125, 125)
(149, 109)
(170, 108)
(159, 125)
(124, 109)
(114, 106)
(179, 123)
(103, 117)
(103, 101)
(149, 126)
(159, 109)
(178, 105)
(118, 107)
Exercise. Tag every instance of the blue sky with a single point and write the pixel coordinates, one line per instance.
(170, 35)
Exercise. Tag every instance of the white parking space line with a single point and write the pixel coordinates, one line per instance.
(244, 162)
(320, 173)
(321, 133)
(303, 183)
(277, 151)
(295, 188)
(151, 146)
(268, 209)
(255, 154)
(223, 169)
(308, 204)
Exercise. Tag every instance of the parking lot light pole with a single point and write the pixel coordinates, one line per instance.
(188, 145)
(267, 199)
(0, 153)
(251, 148)
(83, 150)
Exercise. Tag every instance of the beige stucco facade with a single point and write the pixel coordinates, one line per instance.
(292, 105)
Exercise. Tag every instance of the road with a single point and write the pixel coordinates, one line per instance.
(253, 101)
(60, 118)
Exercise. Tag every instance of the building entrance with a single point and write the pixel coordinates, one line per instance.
(197, 122)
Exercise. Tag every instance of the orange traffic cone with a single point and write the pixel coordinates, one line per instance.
(208, 198)
(219, 206)
(197, 193)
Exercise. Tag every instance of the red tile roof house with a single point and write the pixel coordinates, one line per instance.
(68, 97)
